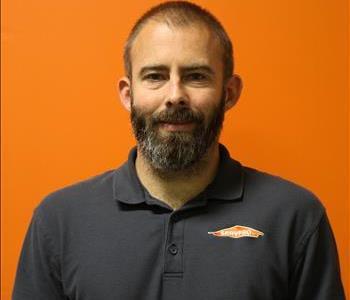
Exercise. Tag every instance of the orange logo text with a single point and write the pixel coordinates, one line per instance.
(237, 231)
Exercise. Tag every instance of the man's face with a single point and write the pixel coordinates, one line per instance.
(177, 94)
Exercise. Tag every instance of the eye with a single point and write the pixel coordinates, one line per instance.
(196, 77)
(154, 77)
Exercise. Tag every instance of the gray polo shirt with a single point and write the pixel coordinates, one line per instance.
(248, 236)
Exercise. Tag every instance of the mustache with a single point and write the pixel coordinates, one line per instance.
(177, 115)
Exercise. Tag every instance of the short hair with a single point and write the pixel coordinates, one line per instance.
(182, 13)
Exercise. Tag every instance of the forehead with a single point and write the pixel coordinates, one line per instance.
(160, 43)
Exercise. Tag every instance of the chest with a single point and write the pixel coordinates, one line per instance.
(152, 255)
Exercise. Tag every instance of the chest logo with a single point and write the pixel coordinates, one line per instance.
(237, 232)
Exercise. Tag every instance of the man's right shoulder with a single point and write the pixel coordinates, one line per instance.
(79, 194)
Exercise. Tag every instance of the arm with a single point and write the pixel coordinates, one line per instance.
(38, 272)
(316, 273)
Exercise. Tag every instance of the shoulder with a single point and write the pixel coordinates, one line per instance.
(282, 205)
(276, 190)
(78, 196)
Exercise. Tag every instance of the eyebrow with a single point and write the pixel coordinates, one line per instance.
(198, 67)
(188, 68)
(149, 68)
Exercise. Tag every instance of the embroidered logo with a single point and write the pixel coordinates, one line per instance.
(237, 232)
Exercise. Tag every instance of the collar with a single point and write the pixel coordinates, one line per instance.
(227, 184)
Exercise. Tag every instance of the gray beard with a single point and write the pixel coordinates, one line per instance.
(176, 152)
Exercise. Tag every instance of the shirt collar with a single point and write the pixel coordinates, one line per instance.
(227, 184)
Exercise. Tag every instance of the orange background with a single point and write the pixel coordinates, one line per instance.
(62, 120)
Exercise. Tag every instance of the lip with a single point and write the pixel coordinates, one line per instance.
(177, 126)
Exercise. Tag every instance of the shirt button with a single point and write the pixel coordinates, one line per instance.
(173, 249)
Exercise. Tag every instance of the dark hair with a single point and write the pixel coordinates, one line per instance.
(182, 13)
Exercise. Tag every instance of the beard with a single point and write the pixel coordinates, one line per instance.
(176, 151)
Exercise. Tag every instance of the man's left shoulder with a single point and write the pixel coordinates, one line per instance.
(277, 195)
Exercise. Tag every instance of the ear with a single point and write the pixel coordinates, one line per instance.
(124, 87)
(233, 90)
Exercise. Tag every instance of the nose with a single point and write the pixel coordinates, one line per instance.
(177, 94)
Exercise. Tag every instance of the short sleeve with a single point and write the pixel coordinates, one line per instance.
(316, 274)
(38, 275)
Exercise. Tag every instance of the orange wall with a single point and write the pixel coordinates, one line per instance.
(62, 121)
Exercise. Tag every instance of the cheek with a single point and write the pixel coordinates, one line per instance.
(205, 96)
(146, 99)
(206, 101)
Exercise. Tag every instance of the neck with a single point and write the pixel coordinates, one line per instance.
(176, 188)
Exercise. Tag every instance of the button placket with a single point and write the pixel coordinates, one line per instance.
(174, 251)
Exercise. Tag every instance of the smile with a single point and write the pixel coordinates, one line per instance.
(177, 126)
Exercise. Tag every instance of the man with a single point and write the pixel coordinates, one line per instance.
(180, 219)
